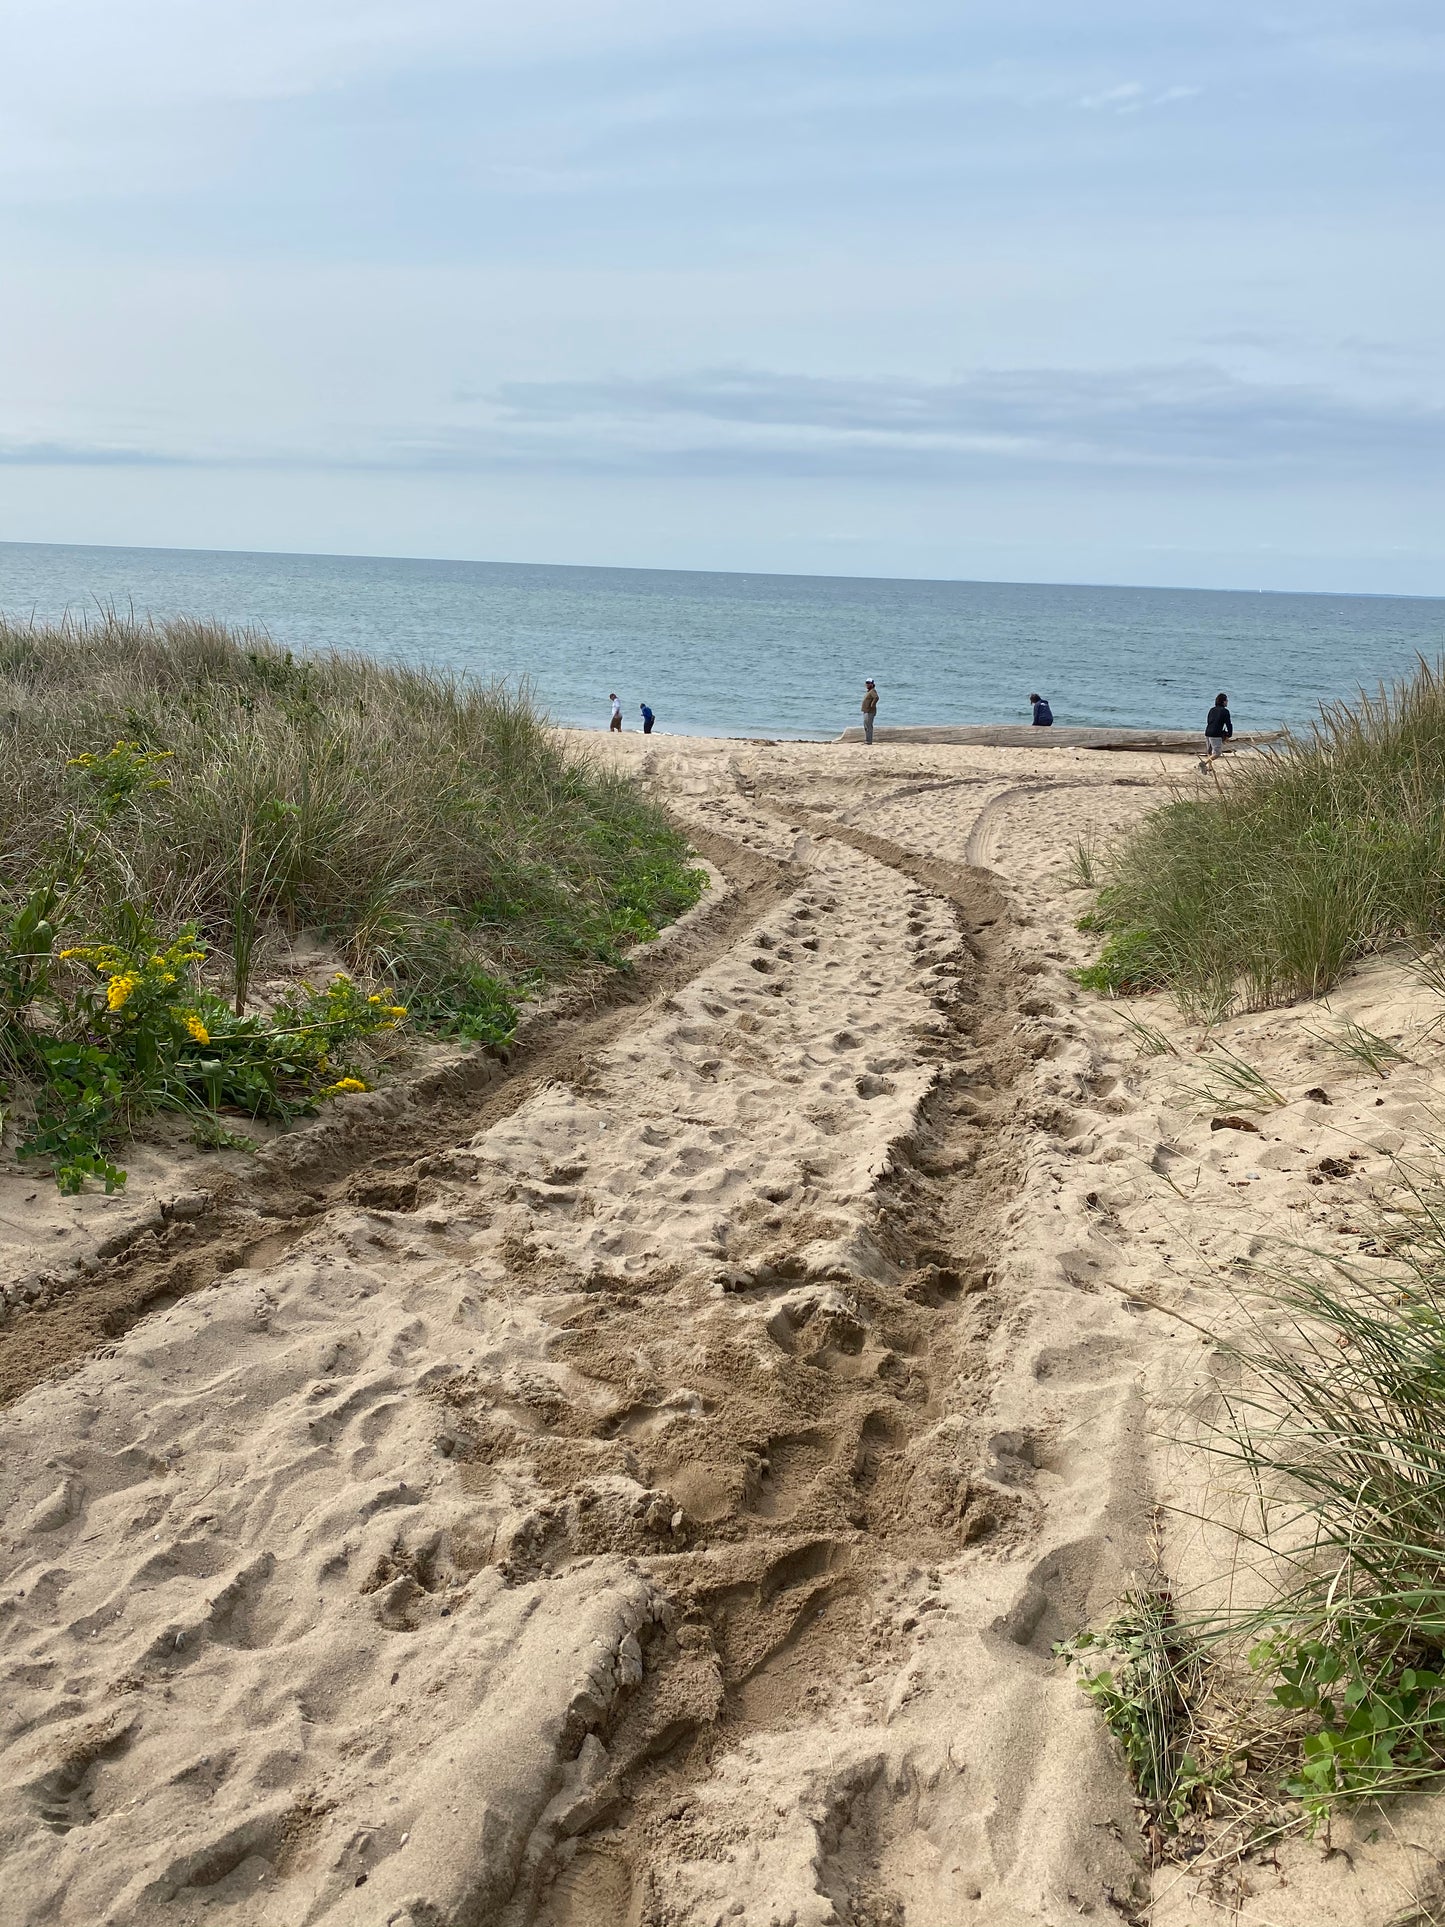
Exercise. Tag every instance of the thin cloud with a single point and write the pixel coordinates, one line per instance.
(1132, 97)
(1181, 421)
(1191, 415)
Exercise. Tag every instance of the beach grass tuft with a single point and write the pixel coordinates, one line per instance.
(1305, 857)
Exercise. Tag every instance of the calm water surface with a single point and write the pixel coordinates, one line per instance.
(774, 655)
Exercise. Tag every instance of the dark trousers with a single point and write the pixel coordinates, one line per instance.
(647, 725)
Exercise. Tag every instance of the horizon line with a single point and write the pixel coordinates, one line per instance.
(773, 575)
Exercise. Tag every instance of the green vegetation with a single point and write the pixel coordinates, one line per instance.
(1330, 1685)
(1298, 861)
(1333, 1688)
(1337, 1424)
(1148, 1696)
(176, 798)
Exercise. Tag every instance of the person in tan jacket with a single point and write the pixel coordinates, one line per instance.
(870, 709)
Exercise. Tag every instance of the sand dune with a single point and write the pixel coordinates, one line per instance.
(644, 1485)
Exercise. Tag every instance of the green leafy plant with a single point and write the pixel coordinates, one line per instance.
(1147, 1696)
(208, 1133)
(139, 1033)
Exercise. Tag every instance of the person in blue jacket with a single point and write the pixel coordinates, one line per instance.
(648, 719)
(1043, 715)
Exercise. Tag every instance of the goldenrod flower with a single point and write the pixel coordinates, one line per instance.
(396, 1010)
(193, 1024)
(121, 986)
(342, 1087)
(373, 1000)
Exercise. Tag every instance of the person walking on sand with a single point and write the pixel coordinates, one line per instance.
(648, 719)
(870, 709)
(1218, 728)
(616, 722)
(1043, 715)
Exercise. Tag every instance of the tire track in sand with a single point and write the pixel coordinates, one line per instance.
(859, 1467)
(251, 1220)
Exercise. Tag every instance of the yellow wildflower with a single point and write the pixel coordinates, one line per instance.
(121, 986)
(193, 1024)
(396, 1010)
(342, 1087)
(373, 1000)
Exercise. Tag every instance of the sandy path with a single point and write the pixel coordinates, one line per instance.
(642, 1485)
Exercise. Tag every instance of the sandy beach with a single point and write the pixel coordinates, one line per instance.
(644, 1481)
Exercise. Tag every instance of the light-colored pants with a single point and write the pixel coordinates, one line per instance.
(1214, 746)
(867, 727)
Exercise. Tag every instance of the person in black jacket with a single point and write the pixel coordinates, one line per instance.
(1043, 715)
(1218, 728)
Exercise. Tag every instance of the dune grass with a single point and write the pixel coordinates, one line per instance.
(1325, 1684)
(175, 798)
(1297, 861)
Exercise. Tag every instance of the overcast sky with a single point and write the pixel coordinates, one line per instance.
(1138, 291)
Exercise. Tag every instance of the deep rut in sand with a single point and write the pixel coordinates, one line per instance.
(859, 1457)
(251, 1221)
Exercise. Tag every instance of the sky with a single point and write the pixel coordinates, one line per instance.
(1146, 291)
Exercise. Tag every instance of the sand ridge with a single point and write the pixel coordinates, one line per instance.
(648, 1488)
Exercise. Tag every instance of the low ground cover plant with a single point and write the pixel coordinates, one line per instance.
(175, 798)
(1298, 860)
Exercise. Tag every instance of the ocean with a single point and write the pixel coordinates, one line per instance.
(774, 655)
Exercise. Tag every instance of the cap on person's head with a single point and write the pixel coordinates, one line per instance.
(869, 681)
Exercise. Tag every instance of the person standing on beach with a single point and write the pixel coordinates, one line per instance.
(1218, 728)
(1043, 715)
(870, 709)
(616, 722)
(648, 719)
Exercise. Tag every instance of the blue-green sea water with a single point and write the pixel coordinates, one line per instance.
(774, 655)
